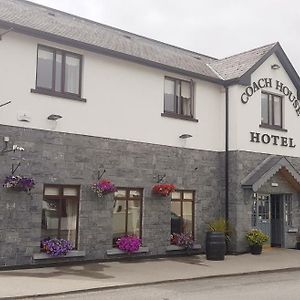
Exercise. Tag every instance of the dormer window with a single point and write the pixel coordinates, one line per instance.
(178, 97)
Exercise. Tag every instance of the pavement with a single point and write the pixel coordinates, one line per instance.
(58, 280)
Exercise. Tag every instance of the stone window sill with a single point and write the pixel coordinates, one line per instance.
(44, 256)
(178, 116)
(292, 230)
(272, 127)
(179, 248)
(116, 251)
(57, 94)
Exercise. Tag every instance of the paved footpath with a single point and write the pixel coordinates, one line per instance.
(95, 276)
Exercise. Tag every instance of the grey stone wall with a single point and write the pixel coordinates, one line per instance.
(240, 200)
(61, 158)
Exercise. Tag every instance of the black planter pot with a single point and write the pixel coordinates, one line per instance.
(215, 245)
(255, 249)
(298, 245)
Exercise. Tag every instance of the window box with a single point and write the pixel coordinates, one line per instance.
(116, 251)
(44, 256)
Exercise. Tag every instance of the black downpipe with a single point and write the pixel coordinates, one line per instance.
(226, 155)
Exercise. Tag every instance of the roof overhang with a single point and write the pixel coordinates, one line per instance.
(245, 79)
(268, 168)
(105, 51)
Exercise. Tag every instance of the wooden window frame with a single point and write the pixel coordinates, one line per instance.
(178, 103)
(271, 117)
(182, 200)
(60, 198)
(52, 92)
(128, 198)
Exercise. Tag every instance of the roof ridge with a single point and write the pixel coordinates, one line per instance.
(244, 52)
(116, 29)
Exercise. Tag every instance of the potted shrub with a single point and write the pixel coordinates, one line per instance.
(256, 238)
(221, 225)
(219, 231)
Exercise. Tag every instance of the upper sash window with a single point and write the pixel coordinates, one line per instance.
(271, 110)
(178, 97)
(58, 71)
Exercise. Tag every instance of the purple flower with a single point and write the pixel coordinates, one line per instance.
(129, 243)
(103, 187)
(183, 239)
(56, 247)
(19, 183)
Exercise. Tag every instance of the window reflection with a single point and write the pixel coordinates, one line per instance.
(127, 213)
(182, 212)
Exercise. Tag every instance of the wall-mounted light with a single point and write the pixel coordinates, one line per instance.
(185, 136)
(54, 117)
(275, 67)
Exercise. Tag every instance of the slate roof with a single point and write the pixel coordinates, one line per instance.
(269, 167)
(237, 65)
(61, 24)
(48, 23)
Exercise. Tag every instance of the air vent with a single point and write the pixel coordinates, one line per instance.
(127, 37)
(197, 57)
(51, 14)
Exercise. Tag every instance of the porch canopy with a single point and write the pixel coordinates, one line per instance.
(268, 168)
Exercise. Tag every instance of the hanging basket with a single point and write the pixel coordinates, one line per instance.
(163, 190)
(103, 187)
(18, 183)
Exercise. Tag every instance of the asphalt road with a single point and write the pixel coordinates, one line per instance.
(280, 285)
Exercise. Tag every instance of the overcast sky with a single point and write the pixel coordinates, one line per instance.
(217, 28)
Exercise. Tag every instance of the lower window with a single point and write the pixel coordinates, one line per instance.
(127, 213)
(182, 212)
(60, 212)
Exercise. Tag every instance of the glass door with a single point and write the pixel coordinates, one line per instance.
(261, 217)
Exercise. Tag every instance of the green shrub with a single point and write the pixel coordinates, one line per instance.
(221, 225)
(256, 237)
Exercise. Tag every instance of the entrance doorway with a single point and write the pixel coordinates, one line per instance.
(270, 212)
(276, 220)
